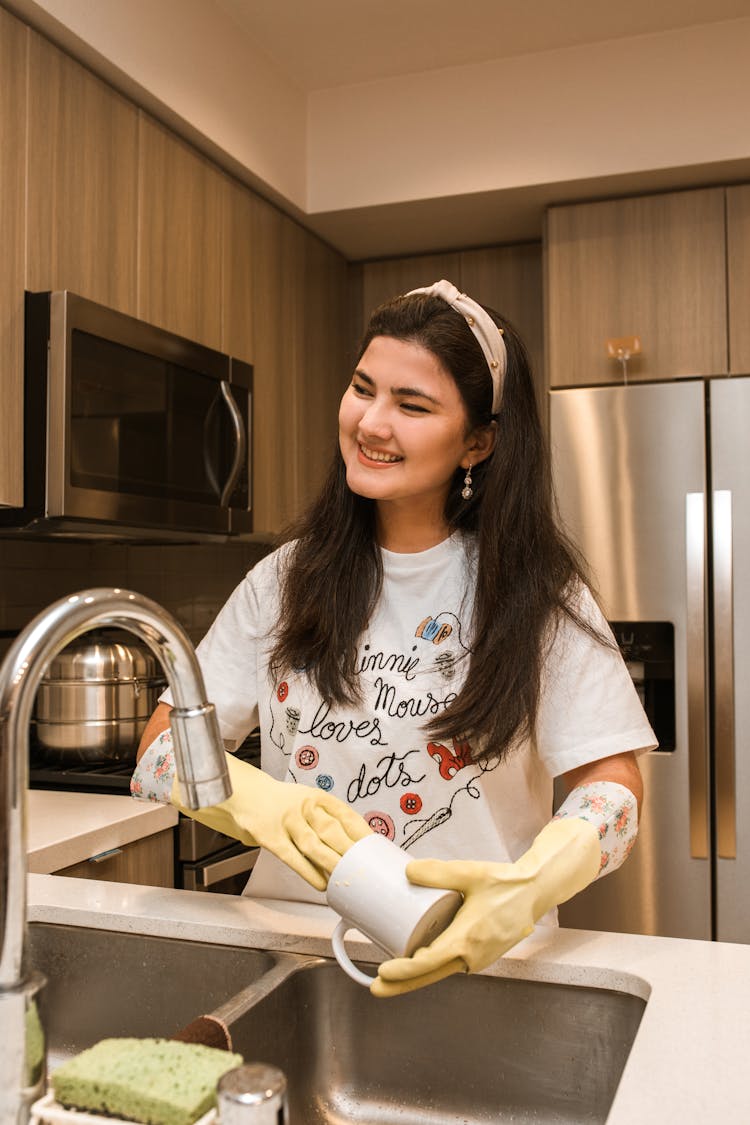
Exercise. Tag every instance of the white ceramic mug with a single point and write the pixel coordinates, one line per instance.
(369, 889)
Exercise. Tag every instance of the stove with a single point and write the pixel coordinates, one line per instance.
(108, 777)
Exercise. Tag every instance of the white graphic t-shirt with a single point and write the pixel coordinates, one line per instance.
(424, 793)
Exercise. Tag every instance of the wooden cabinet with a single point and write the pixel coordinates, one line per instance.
(299, 308)
(274, 311)
(148, 862)
(82, 182)
(238, 305)
(324, 363)
(652, 267)
(738, 275)
(382, 280)
(386, 279)
(13, 38)
(509, 280)
(179, 236)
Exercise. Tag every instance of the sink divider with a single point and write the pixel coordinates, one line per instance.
(286, 965)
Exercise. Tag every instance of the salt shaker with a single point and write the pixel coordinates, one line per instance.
(253, 1095)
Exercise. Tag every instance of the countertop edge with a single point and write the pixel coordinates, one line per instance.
(58, 839)
(697, 993)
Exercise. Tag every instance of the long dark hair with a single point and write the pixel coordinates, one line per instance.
(525, 567)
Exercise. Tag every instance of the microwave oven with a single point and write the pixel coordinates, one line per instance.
(130, 430)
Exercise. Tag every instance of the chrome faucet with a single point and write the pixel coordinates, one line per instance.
(200, 762)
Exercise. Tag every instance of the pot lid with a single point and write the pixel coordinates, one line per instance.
(103, 655)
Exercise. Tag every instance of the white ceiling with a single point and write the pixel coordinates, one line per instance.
(325, 43)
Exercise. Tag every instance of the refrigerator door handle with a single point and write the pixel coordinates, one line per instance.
(726, 804)
(695, 543)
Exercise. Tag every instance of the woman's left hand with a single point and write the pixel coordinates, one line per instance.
(502, 901)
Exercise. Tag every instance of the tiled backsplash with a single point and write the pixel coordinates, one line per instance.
(191, 581)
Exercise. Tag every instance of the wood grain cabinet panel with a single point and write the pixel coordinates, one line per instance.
(148, 862)
(509, 280)
(386, 279)
(275, 420)
(652, 266)
(13, 38)
(239, 223)
(83, 179)
(325, 362)
(738, 266)
(300, 309)
(179, 237)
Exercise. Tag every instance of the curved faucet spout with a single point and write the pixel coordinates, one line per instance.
(199, 752)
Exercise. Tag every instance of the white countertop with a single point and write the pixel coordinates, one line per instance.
(66, 828)
(689, 1058)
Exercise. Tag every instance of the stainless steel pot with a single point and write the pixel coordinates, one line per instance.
(95, 699)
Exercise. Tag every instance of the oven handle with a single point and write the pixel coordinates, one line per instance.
(210, 872)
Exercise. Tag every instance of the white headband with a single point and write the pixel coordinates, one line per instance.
(489, 336)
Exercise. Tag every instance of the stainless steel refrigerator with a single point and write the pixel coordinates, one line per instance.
(653, 483)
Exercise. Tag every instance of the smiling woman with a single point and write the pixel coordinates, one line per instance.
(423, 655)
(403, 432)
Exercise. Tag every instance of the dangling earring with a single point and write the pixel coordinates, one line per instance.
(467, 491)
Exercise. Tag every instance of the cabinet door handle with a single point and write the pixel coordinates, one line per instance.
(105, 855)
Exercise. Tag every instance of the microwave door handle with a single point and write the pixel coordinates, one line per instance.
(208, 464)
(240, 444)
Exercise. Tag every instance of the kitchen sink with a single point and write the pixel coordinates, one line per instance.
(469, 1049)
(102, 983)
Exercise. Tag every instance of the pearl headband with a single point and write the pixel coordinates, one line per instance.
(487, 333)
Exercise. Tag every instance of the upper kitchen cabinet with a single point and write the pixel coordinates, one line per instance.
(299, 309)
(738, 249)
(652, 267)
(179, 237)
(277, 280)
(385, 279)
(240, 208)
(82, 182)
(13, 37)
(325, 362)
(509, 280)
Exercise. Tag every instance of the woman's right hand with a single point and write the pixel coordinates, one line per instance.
(307, 829)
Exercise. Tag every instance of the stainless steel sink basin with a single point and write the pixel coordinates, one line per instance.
(101, 983)
(467, 1050)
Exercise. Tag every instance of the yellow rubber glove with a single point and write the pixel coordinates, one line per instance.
(502, 901)
(307, 829)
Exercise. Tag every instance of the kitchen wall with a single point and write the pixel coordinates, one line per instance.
(191, 581)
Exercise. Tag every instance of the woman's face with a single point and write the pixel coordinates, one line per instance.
(402, 425)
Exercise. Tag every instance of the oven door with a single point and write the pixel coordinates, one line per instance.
(210, 861)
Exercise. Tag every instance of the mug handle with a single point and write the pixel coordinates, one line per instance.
(343, 957)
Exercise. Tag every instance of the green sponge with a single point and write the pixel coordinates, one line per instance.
(154, 1081)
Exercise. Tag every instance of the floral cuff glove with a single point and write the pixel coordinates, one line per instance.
(153, 776)
(613, 810)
